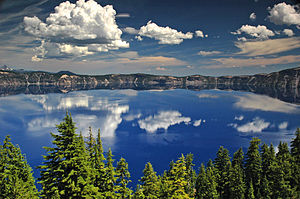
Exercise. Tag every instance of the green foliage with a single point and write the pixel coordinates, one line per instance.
(222, 164)
(150, 183)
(205, 184)
(67, 172)
(16, 180)
(122, 181)
(253, 168)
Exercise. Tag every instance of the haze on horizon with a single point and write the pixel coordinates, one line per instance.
(169, 37)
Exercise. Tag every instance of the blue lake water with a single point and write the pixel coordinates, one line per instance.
(155, 125)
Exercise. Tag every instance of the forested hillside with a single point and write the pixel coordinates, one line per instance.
(77, 167)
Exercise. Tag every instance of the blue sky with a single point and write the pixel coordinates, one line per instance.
(169, 37)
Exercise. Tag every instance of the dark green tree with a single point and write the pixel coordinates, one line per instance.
(191, 175)
(150, 182)
(110, 177)
(295, 151)
(253, 168)
(123, 178)
(205, 184)
(66, 172)
(16, 180)
(222, 164)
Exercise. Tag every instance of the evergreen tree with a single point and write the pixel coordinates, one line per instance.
(191, 175)
(265, 188)
(250, 191)
(238, 159)
(205, 184)
(138, 194)
(174, 183)
(150, 182)
(237, 187)
(295, 151)
(222, 163)
(253, 166)
(110, 177)
(16, 180)
(122, 181)
(66, 172)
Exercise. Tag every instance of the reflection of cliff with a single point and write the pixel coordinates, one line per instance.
(283, 85)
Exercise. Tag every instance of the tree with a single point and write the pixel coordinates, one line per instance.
(110, 177)
(16, 180)
(222, 163)
(295, 151)
(253, 166)
(66, 172)
(150, 182)
(191, 175)
(174, 182)
(122, 181)
(205, 184)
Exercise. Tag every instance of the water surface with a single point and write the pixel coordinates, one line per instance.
(154, 125)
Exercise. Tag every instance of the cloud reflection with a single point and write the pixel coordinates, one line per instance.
(264, 103)
(163, 120)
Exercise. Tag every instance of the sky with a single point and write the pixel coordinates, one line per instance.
(167, 37)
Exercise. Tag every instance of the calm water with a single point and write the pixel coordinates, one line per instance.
(155, 126)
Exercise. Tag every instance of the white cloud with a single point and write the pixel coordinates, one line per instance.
(200, 33)
(163, 120)
(240, 118)
(259, 32)
(165, 35)
(257, 125)
(139, 38)
(209, 53)
(197, 123)
(78, 28)
(283, 125)
(283, 13)
(131, 30)
(268, 47)
(39, 125)
(123, 15)
(264, 103)
(252, 16)
(288, 32)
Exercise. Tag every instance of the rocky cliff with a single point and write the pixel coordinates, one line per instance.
(282, 84)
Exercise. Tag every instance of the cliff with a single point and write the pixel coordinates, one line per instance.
(282, 84)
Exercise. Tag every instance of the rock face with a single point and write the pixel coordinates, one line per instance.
(283, 84)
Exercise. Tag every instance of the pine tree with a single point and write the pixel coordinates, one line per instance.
(110, 177)
(138, 194)
(16, 180)
(253, 166)
(66, 172)
(123, 178)
(95, 149)
(174, 182)
(250, 191)
(150, 182)
(205, 184)
(222, 163)
(237, 187)
(295, 151)
(191, 175)
(265, 188)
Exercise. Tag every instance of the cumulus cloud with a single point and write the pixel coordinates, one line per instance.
(200, 33)
(252, 16)
(288, 32)
(283, 13)
(257, 125)
(139, 38)
(264, 103)
(165, 35)
(132, 117)
(40, 124)
(259, 32)
(268, 47)
(131, 30)
(123, 15)
(163, 120)
(209, 53)
(77, 29)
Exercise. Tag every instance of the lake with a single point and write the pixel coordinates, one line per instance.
(150, 125)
